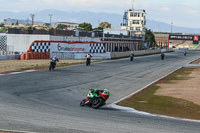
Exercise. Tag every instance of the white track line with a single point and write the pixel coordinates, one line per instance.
(16, 131)
(13, 73)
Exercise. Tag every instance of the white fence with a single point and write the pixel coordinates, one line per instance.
(7, 53)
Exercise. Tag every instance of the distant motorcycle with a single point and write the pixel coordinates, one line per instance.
(53, 63)
(162, 56)
(185, 53)
(97, 101)
(131, 57)
(88, 59)
(88, 62)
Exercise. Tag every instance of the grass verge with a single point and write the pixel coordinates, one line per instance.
(22, 65)
(147, 101)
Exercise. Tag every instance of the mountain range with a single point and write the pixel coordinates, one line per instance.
(90, 17)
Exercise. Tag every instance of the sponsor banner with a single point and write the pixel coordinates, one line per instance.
(65, 47)
(184, 37)
(180, 37)
(196, 38)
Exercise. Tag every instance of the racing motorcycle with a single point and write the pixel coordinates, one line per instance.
(185, 53)
(162, 56)
(98, 101)
(53, 63)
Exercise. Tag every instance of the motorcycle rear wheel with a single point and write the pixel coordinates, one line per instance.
(98, 102)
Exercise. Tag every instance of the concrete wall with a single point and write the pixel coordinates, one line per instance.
(126, 54)
(67, 55)
(9, 57)
(72, 38)
(21, 42)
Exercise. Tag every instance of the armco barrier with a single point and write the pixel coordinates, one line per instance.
(9, 57)
(22, 57)
(34, 55)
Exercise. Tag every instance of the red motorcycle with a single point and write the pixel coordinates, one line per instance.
(97, 101)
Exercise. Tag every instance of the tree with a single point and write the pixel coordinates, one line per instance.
(85, 26)
(104, 25)
(61, 26)
(150, 38)
(17, 23)
(2, 25)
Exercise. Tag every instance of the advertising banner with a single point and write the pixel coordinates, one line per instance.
(180, 37)
(196, 38)
(65, 47)
(184, 37)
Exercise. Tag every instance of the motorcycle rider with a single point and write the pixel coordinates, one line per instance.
(132, 56)
(162, 56)
(93, 93)
(184, 53)
(88, 59)
(54, 59)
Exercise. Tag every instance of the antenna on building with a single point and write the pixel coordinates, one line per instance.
(32, 17)
(132, 5)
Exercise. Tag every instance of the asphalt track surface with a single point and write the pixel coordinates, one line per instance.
(44, 101)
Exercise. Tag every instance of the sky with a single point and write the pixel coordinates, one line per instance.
(183, 13)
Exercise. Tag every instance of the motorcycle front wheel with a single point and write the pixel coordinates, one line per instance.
(82, 103)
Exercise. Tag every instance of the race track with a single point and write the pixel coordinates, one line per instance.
(44, 101)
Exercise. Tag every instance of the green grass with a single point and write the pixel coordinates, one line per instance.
(147, 101)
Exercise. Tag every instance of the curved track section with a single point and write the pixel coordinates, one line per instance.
(44, 101)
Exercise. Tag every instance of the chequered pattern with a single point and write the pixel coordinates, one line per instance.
(3, 43)
(41, 47)
(97, 48)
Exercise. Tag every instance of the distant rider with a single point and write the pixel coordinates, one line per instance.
(53, 62)
(54, 59)
(132, 56)
(185, 52)
(162, 56)
(88, 59)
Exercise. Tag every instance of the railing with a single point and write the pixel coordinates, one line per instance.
(8, 53)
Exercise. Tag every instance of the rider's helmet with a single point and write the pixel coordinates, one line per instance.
(93, 90)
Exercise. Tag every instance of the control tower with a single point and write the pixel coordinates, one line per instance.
(134, 21)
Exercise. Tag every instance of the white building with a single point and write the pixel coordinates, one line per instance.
(135, 21)
(69, 25)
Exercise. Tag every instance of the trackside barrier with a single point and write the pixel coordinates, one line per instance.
(34, 55)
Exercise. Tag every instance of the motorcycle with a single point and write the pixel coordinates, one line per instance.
(53, 64)
(88, 61)
(131, 58)
(185, 53)
(162, 56)
(97, 101)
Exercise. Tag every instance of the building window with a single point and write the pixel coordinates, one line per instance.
(131, 14)
(138, 28)
(136, 22)
(135, 14)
